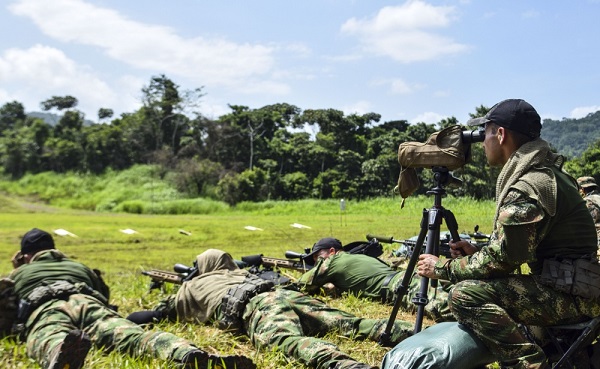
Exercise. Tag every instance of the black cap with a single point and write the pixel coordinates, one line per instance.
(324, 244)
(36, 240)
(515, 114)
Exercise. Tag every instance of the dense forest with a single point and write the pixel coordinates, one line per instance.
(247, 154)
(571, 137)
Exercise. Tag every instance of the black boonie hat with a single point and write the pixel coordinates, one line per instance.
(515, 114)
(324, 244)
(36, 240)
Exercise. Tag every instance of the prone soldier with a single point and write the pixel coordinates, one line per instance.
(338, 271)
(278, 318)
(64, 309)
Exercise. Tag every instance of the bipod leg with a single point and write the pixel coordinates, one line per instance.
(401, 291)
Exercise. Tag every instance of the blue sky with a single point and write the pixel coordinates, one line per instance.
(416, 60)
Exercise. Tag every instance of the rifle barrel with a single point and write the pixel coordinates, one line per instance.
(384, 239)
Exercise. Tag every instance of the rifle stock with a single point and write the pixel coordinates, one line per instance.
(160, 276)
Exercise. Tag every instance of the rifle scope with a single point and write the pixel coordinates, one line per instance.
(294, 255)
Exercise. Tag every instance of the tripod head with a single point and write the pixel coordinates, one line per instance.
(443, 177)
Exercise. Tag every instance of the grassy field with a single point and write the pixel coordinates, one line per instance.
(158, 243)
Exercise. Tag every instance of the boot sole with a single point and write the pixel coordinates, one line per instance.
(73, 351)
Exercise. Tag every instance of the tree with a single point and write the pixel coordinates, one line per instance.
(165, 112)
(104, 113)
(64, 155)
(480, 111)
(250, 185)
(258, 126)
(294, 186)
(198, 177)
(69, 125)
(59, 103)
(11, 114)
(105, 146)
(588, 164)
(22, 149)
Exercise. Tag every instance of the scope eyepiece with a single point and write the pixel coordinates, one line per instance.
(476, 135)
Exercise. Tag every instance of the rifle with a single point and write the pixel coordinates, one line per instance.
(255, 261)
(181, 274)
(407, 246)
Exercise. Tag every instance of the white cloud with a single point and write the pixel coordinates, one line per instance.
(41, 72)
(215, 62)
(400, 87)
(583, 111)
(214, 109)
(404, 32)
(428, 117)
(359, 108)
(397, 86)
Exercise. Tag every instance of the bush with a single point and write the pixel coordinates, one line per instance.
(132, 207)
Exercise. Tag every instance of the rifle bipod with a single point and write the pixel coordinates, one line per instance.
(430, 228)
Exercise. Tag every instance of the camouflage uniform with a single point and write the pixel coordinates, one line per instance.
(589, 191)
(47, 325)
(592, 201)
(489, 297)
(369, 277)
(283, 319)
(291, 321)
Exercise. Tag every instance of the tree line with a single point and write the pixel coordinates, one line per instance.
(244, 155)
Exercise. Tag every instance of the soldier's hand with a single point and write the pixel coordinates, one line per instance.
(17, 260)
(330, 290)
(426, 265)
(461, 248)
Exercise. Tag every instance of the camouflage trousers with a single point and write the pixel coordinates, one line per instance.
(436, 308)
(495, 308)
(48, 325)
(290, 321)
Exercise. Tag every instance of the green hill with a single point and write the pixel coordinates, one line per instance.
(572, 136)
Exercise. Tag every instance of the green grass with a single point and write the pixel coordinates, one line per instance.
(159, 244)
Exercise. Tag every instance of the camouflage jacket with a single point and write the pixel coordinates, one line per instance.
(525, 233)
(592, 201)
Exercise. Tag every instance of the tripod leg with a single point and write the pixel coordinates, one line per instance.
(433, 239)
(385, 338)
(452, 225)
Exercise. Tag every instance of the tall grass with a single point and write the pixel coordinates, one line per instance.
(105, 192)
(159, 243)
(143, 189)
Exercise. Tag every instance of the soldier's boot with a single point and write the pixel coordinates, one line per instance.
(198, 359)
(71, 352)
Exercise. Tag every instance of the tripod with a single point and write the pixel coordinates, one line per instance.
(430, 227)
